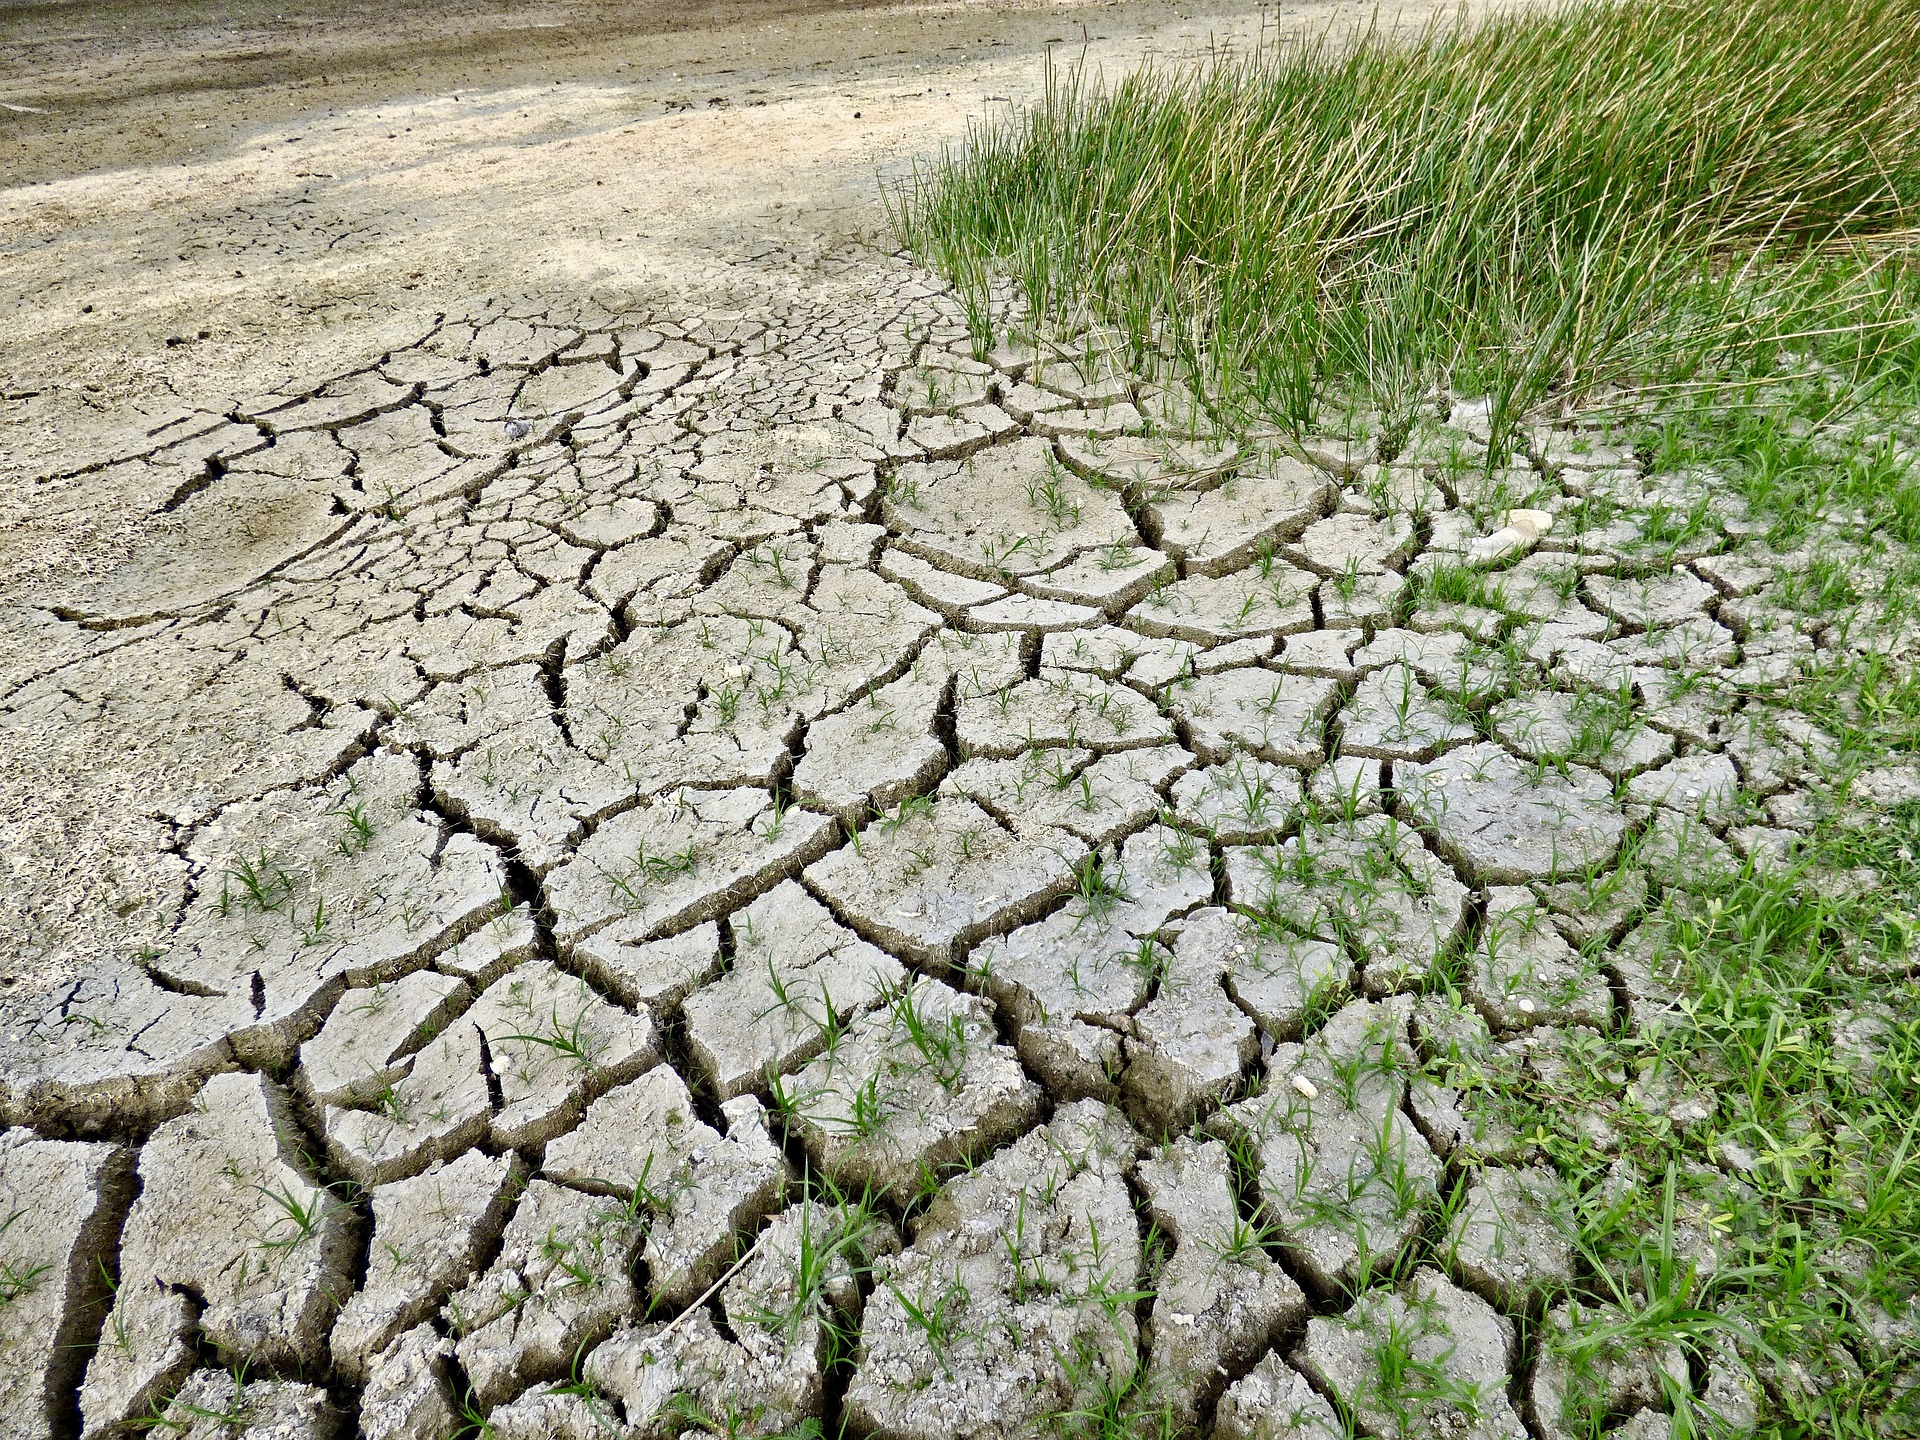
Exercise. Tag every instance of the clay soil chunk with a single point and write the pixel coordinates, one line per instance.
(1218, 530)
(1188, 1047)
(1505, 824)
(1271, 716)
(926, 878)
(60, 1205)
(429, 1235)
(799, 1281)
(1014, 509)
(796, 973)
(562, 1280)
(1005, 1262)
(519, 1066)
(1576, 1381)
(1443, 1330)
(685, 858)
(1393, 716)
(1067, 984)
(1522, 973)
(643, 1143)
(409, 1394)
(1368, 881)
(231, 1238)
(1238, 801)
(1345, 1177)
(1594, 729)
(1072, 710)
(1267, 600)
(1512, 1242)
(214, 1405)
(913, 1087)
(357, 1053)
(875, 752)
(1274, 1402)
(1221, 1298)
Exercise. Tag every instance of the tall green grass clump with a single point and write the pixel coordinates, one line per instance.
(1651, 193)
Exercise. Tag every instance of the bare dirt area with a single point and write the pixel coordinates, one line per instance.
(613, 830)
(210, 203)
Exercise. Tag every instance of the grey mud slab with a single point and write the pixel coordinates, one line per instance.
(625, 784)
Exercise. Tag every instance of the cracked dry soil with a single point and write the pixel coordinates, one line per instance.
(516, 832)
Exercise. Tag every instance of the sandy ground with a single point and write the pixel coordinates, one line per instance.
(205, 202)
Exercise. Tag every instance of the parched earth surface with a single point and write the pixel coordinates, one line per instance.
(632, 872)
(642, 764)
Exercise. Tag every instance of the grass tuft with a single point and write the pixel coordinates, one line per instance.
(1532, 207)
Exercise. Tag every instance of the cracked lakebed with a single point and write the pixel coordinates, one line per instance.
(640, 868)
(694, 769)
